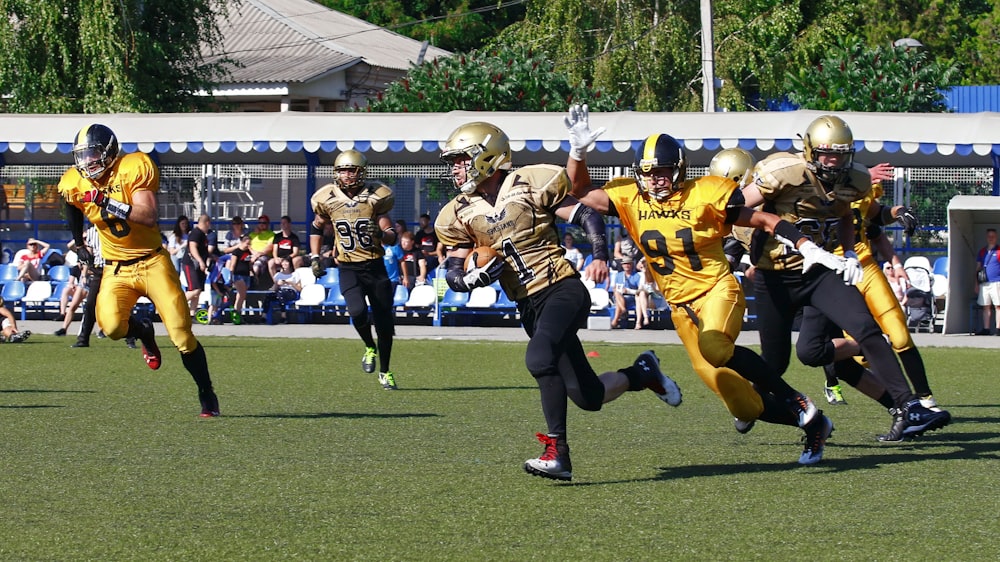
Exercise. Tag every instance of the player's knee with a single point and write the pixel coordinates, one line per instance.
(815, 353)
(716, 347)
(114, 328)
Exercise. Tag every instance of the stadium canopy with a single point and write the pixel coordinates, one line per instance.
(904, 139)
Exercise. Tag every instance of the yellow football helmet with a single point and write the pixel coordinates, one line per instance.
(95, 150)
(829, 134)
(486, 145)
(733, 163)
(660, 151)
(351, 160)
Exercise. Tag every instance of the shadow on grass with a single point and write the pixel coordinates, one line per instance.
(963, 446)
(466, 388)
(42, 391)
(37, 406)
(324, 415)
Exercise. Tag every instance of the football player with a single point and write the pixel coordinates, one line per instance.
(358, 210)
(514, 212)
(117, 193)
(814, 190)
(680, 225)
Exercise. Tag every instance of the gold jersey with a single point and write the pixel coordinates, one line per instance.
(860, 210)
(121, 240)
(682, 236)
(352, 216)
(793, 192)
(520, 226)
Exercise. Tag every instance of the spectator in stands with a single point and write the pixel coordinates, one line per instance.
(196, 262)
(231, 240)
(393, 256)
(177, 240)
(400, 227)
(414, 265)
(287, 285)
(8, 328)
(625, 247)
(988, 283)
(286, 244)
(261, 244)
(241, 267)
(573, 254)
(29, 260)
(896, 281)
(427, 241)
(627, 283)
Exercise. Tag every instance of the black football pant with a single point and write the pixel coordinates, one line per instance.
(555, 356)
(370, 279)
(89, 316)
(781, 294)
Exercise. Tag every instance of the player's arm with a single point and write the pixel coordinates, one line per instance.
(590, 220)
(144, 209)
(382, 230)
(882, 215)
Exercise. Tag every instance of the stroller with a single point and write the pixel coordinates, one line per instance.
(920, 303)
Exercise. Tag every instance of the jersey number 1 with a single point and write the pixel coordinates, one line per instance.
(656, 247)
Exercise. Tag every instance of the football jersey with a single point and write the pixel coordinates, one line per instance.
(121, 240)
(860, 210)
(520, 226)
(682, 236)
(793, 192)
(351, 216)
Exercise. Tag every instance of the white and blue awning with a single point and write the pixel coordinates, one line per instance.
(937, 140)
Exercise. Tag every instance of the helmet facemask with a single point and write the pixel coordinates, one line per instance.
(351, 160)
(95, 151)
(660, 151)
(829, 135)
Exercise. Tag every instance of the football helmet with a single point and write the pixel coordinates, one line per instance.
(733, 163)
(486, 145)
(95, 150)
(351, 160)
(829, 134)
(660, 151)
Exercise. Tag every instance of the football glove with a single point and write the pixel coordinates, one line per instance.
(853, 273)
(483, 276)
(113, 206)
(84, 254)
(813, 255)
(317, 267)
(908, 218)
(580, 136)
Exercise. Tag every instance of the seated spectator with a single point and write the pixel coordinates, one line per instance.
(896, 282)
(286, 244)
(8, 328)
(627, 283)
(427, 241)
(262, 245)
(29, 260)
(414, 265)
(626, 247)
(231, 240)
(392, 256)
(327, 252)
(177, 240)
(287, 285)
(241, 266)
(573, 254)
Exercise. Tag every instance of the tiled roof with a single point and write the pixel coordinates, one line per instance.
(298, 40)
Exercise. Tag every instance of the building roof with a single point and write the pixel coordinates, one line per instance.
(281, 41)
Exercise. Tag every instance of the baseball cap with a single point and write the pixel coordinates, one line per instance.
(264, 218)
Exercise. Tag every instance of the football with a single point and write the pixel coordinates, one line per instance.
(480, 256)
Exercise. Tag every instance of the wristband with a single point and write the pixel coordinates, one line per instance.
(119, 209)
(315, 230)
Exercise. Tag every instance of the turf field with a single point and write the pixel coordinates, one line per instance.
(103, 459)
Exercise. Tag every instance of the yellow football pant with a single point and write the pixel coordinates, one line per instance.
(884, 306)
(156, 279)
(710, 339)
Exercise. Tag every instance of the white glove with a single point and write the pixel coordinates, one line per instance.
(580, 136)
(483, 276)
(813, 254)
(852, 270)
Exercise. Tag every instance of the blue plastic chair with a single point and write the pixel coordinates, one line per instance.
(11, 295)
(401, 295)
(454, 298)
(941, 266)
(8, 272)
(59, 273)
(331, 278)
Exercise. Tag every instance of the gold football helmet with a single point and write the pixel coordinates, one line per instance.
(733, 163)
(486, 145)
(351, 160)
(95, 150)
(660, 151)
(829, 134)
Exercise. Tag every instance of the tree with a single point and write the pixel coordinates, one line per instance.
(102, 56)
(510, 79)
(455, 25)
(853, 77)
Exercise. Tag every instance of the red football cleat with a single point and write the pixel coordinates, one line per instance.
(150, 351)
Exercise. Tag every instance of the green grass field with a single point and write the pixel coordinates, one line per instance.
(312, 460)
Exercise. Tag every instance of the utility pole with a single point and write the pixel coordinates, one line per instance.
(707, 58)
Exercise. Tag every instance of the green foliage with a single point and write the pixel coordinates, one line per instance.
(852, 77)
(509, 79)
(311, 460)
(103, 56)
(455, 25)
